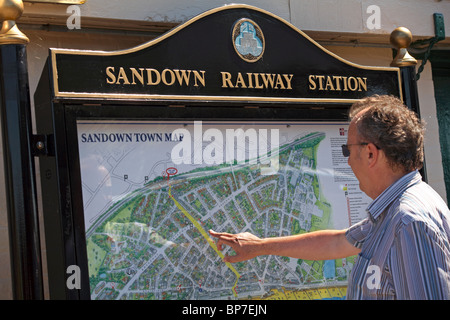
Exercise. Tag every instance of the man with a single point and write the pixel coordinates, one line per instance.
(403, 245)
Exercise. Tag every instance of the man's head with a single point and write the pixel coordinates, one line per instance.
(388, 124)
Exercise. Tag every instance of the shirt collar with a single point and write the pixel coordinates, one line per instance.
(377, 207)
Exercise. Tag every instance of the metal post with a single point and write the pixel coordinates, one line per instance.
(401, 38)
(26, 269)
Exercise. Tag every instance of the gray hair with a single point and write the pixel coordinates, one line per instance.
(386, 122)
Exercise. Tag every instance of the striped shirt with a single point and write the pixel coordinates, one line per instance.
(405, 245)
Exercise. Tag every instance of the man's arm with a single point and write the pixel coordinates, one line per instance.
(318, 245)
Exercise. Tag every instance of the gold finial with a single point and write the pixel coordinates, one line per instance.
(401, 38)
(10, 11)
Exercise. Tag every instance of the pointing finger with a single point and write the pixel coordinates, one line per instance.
(223, 240)
(218, 234)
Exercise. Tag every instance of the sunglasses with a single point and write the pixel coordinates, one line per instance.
(346, 150)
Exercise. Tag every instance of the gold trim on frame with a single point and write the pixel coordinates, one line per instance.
(58, 94)
(157, 97)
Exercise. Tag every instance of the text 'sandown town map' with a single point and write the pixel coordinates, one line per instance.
(152, 190)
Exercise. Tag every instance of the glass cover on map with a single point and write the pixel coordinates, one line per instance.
(152, 190)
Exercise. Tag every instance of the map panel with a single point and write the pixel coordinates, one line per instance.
(152, 190)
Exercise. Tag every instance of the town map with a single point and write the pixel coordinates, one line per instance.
(147, 215)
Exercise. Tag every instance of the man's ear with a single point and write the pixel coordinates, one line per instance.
(373, 154)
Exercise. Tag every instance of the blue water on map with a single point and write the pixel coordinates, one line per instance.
(329, 269)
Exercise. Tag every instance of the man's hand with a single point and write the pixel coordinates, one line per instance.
(246, 245)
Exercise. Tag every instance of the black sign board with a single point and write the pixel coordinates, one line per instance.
(233, 53)
(235, 69)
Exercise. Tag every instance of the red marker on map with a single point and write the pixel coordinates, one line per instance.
(171, 171)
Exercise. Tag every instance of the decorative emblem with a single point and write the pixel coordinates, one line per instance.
(248, 40)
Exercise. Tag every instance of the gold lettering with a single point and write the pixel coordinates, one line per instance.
(150, 81)
(362, 82)
(164, 79)
(320, 81)
(240, 81)
(329, 85)
(257, 80)
(338, 85)
(110, 74)
(288, 78)
(312, 83)
(267, 79)
(353, 87)
(135, 74)
(122, 76)
(199, 77)
(257, 85)
(345, 83)
(181, 75)
(250, 80)
(153, 77)
(226, 80)
(279, 82)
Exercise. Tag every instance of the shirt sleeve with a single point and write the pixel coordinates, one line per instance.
(420, 263)
(358, 232)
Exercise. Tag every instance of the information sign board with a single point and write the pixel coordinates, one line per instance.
(234, 122)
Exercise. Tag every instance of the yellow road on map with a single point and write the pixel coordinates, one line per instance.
(206, 236)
